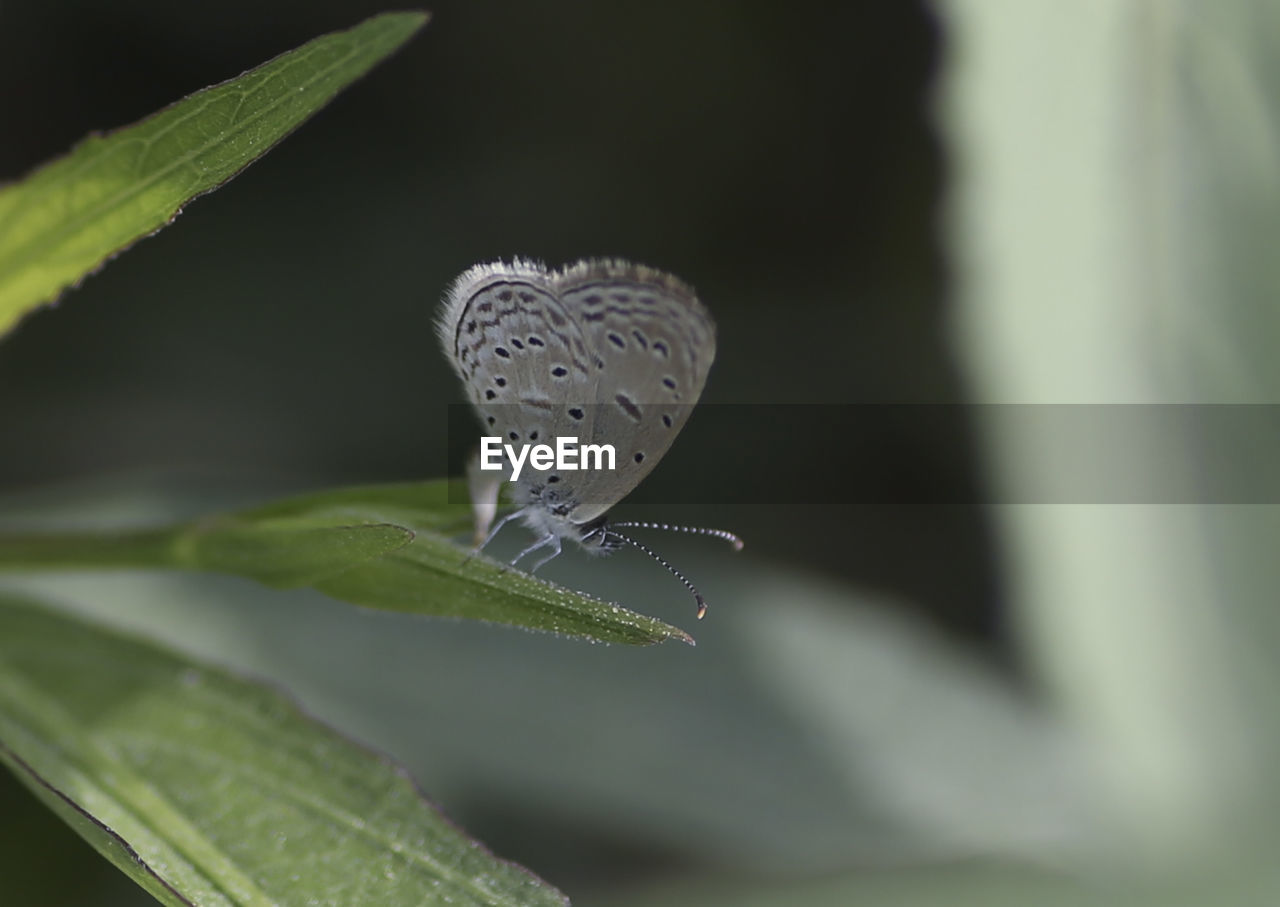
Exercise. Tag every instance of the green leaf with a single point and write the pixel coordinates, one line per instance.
(1114, 219)
(208, 789)
(381, 547)
(66, 219)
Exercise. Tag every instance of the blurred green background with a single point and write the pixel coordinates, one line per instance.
(878, 706)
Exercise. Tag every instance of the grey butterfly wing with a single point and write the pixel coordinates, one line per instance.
(651, 344)
(517, 351)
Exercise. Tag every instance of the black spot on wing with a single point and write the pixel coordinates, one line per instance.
(628, 406)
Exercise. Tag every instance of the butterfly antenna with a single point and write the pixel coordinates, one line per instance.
(693, 530)
(697, 596)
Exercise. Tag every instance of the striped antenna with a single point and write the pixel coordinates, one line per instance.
(692, 530)
(697, 596)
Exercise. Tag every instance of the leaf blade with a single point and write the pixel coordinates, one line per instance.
(380, 546)
(69, 217)
(208, 788)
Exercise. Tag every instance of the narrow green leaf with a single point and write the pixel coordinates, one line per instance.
(1114, 221)
(208, 789)
(384, 546)
(66, 219)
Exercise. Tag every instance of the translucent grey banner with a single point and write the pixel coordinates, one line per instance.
(933, 454)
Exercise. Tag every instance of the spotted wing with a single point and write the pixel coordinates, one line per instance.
(518, 352)
(650, 344)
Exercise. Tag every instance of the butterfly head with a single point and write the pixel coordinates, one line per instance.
(596, 536)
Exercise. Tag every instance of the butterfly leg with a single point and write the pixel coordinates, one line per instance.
(543, 542)
(492, 532)
(555, 540)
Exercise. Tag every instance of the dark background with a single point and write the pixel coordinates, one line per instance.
(779, 158)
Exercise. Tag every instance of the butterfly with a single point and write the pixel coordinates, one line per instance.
(603, 352)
